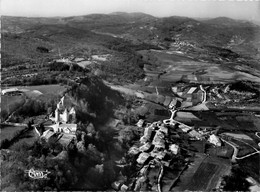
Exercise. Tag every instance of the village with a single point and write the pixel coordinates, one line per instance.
(160, 147)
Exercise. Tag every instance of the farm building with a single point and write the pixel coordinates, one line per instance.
(214, 140)
(175, 103)
(195, 134)
(174, 149)
(193, 95)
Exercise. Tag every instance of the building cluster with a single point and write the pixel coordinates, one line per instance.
(156, 149)
(63, 130)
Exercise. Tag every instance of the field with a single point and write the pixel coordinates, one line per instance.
(8, 102)
(28, 138)
(44, 89)
(238, 136)
(179, 67)
(203, 175)
(7, 132)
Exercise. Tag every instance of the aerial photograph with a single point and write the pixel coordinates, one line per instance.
(130, 95)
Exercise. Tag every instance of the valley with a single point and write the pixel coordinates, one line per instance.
(130, 102)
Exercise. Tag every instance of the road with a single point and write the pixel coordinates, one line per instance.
(205, 94)
(159, 179)
(172, 122)
(248, 155)
(256, 134)
(234, 156)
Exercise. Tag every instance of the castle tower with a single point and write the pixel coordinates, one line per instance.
(57, 115)
(62, 101)
(72, 114)
(59, 105)
(65, 115)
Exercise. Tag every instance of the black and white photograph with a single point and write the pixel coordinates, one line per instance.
(130, 95)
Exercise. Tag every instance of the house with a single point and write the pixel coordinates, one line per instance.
(177, 90)
(174, 149)
(173, 103)
(147, 134)
(184, 128)
(116, 185)
(158, 154)
(123, 188)
(134, 150)
(195, 134)
(68, 128)
(214, 140)
(145, 147)
(49, 135)
(163, 129)
(140, 123)
(142, 158)
(144, 170)
(158, 140)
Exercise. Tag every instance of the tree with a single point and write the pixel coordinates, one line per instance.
(128, 135)
(236, 181)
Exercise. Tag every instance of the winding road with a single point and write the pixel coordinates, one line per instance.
(234, 156)
(205, 94)
(256, 134)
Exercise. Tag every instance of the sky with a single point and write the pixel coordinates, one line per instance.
(238, 9)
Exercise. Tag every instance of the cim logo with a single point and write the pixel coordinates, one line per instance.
(36, 174)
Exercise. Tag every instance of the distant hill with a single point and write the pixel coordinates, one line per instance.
(178, 33)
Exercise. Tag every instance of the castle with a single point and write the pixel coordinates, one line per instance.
(63, 117)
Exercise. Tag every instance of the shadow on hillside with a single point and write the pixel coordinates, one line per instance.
(95, 101)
